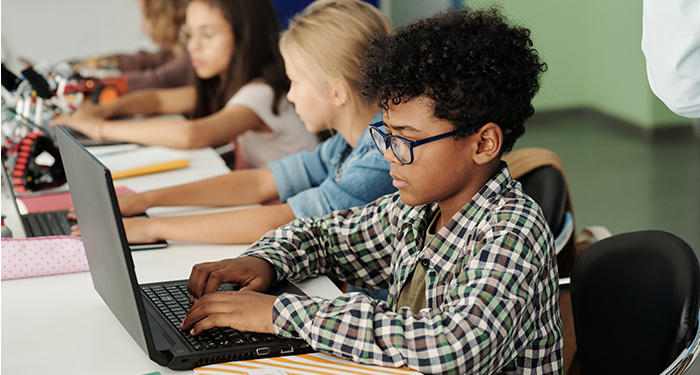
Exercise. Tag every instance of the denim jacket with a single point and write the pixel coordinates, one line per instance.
(333, 177)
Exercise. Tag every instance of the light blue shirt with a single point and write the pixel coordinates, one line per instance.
(329, 178)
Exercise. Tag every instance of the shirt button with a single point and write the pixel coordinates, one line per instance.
(425, 262)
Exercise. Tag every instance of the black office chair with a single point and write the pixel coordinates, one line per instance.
(635, 304)
(547, 186)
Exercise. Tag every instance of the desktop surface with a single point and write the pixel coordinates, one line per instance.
(60, 325)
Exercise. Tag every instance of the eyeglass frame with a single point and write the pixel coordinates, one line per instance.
(201, 37)
(410, 143)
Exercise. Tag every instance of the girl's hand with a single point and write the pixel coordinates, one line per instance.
(94, 110)
(81, 120)
(131, 204)
(137, 230)
(71, 214)
(244, 311)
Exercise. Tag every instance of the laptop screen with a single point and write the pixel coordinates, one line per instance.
(13, 219)
(104, 239)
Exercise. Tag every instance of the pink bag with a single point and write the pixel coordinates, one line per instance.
(42, 256)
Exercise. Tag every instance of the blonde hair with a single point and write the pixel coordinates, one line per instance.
(166, 17)
(329, 40)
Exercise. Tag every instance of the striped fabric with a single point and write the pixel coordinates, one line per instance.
(491, 284)
(305, 364)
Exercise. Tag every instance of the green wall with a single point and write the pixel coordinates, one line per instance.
(594, 57)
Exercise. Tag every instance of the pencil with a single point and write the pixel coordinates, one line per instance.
(151, 169)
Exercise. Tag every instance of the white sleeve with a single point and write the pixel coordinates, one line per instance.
(258, 97)
(671, 46)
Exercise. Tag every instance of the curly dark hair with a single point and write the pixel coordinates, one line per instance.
(473, 65)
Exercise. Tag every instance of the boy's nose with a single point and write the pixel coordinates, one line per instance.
(390, 157)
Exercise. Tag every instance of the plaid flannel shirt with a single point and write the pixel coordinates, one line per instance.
(491, 284)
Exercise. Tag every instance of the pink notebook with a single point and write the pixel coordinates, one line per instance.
(57, 201)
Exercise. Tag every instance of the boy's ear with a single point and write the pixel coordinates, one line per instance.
(489, 140)
(339, 92)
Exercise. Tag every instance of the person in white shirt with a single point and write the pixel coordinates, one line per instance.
(671, 45)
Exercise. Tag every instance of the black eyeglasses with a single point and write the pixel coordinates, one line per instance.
(400, 146)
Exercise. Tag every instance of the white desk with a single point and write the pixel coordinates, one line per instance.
(60, 325)
(204, 163)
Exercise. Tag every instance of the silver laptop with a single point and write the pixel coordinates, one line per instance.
(45, 223)
(38, 224)
(151, 313)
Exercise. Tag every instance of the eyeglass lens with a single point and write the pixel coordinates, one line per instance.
(400, 148)
(203, 36)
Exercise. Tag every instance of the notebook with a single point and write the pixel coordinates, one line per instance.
(144, 160)
(45, 223)
(114, 278)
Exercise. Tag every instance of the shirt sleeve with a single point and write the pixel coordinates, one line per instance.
(360, 183)
(295, 173)
(488, 300)
(258, 98)
(671, 46)
(142, 60)
(314, 184)
(349, 243)
(174, 72)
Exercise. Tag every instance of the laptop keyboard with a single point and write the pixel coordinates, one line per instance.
(173, 302)
(50, 223)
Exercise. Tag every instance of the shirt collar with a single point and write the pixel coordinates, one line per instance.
(440, 252)
(418, 216)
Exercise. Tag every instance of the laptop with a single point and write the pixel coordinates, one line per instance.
(38, 224)
(152, 322)
(89, 142)
(45, 223)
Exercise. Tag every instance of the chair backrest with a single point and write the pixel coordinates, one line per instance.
(547, 186)
(635, 302)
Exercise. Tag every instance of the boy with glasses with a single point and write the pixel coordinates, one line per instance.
(467, 256)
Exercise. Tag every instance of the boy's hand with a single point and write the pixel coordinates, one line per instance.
(244, 311)
(250, 273)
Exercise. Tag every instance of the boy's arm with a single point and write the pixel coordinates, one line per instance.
(486, 318)
(348, 244)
